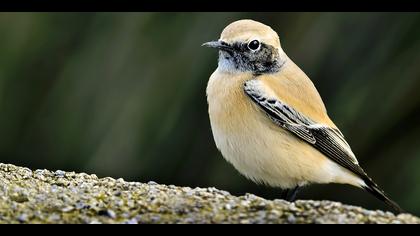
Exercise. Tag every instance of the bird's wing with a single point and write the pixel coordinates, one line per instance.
(328, 140)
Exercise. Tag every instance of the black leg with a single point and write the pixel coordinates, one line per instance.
(290, 194)
(284, 194)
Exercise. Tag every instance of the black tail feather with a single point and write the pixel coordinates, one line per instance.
(374, 189)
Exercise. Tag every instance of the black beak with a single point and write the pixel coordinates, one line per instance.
(219, 45)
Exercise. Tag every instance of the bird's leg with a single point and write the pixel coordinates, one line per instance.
(290, 194)
(284, 194)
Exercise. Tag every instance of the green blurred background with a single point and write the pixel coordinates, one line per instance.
(123, 95)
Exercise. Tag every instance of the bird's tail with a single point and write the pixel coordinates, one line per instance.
(376, 191)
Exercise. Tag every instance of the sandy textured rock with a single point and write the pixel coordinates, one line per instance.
(43, 196)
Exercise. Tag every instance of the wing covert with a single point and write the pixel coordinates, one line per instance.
(328, 140)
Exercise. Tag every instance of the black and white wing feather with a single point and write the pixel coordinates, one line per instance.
(329, 141)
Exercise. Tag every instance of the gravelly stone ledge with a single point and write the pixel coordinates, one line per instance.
(43, 196)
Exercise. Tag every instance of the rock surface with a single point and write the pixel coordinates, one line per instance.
(42, 196)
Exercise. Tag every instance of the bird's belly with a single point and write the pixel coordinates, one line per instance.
(262, 151)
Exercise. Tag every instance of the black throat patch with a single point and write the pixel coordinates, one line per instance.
(264, 60)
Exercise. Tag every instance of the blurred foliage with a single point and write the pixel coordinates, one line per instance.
(123, 95)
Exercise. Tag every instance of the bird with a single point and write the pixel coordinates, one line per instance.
(269, 121)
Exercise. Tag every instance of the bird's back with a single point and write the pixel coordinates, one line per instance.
(293, 87)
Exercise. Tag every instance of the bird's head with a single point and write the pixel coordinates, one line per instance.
(249, 46)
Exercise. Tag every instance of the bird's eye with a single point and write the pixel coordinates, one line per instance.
(254, 45)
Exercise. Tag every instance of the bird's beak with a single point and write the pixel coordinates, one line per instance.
(219, 45)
